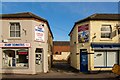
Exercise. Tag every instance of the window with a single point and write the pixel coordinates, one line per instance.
(105, 58)
(106, 31)
(14, 29)
(15, 58)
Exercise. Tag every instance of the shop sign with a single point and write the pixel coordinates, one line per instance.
(14, 44)
(39, 33)
(83, 33)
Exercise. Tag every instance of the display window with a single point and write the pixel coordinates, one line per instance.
(15, 58)
(105, 58)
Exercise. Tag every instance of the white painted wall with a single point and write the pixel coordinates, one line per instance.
(63, 56)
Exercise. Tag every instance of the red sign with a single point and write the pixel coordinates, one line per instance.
(23, 53)
(83, 28)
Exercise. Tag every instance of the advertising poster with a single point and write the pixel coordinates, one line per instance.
(83, 33)
(39, 33)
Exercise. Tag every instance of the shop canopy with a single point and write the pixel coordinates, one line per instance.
(23, 51)
(105, 45)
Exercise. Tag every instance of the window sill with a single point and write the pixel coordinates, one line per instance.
(12, 38)
(103, 67)
(106, 39)
(15, 67)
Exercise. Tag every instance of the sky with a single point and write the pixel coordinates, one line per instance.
(60, 15)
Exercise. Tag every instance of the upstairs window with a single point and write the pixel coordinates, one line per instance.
(106, 31)
(14, 29)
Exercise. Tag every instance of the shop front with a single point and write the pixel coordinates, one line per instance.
(105, 54)
(15, 55)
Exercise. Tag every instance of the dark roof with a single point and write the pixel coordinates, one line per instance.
(25, 15)
(21, 15)
(98, 17)
(61, 43)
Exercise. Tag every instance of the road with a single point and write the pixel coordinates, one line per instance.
(62, 71)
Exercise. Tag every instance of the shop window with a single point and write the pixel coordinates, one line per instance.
(106, 31)
(9, 58)
(105, 58)
(15, 58)
(22, 57)
(14, 29)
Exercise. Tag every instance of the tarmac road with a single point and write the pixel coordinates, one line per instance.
(62, 71)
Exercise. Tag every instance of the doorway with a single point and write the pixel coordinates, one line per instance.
(83, 60)
(39, 59)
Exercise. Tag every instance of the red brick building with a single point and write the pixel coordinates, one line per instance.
(61, 50)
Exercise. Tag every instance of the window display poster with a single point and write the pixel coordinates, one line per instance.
(83, 33)
(39, 33)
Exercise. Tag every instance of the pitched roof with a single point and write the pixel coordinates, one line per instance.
(98, 17)
(25, 15)
(21, 15)
(61, 43)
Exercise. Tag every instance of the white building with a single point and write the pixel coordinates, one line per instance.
(26, 45)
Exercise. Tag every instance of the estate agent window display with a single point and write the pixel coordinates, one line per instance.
(15, 58)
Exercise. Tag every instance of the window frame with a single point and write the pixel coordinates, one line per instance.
(16, 63)
(15, 31)
(106, 58)
(106, 32)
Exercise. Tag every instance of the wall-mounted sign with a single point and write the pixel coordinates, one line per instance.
(14, 44)
(83, 33)
(39, 33)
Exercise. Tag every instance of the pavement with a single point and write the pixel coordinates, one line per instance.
(62, 71)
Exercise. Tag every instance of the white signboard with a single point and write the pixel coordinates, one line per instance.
(39, 33)
(15, 45)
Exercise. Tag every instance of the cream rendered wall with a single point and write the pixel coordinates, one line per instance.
(75, 47)
(63, 56)
(81, 45)
(50, 45)
(43, 45)
(0, 48)
(27, 25)
(95, 27)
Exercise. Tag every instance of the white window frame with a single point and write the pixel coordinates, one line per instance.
(106, 31)
(15, 23)
(15, 58)
(106, 59)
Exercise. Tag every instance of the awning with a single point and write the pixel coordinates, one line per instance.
(105, 45)
(23, 51)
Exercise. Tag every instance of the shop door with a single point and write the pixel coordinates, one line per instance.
(39, 60)
(83, 60)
